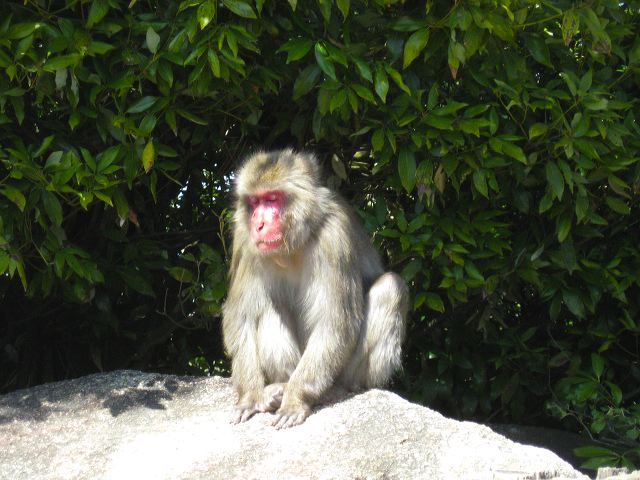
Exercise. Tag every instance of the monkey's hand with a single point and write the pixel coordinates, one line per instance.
(268, 401)
(271, 397)
(245, 409)
(290, 415)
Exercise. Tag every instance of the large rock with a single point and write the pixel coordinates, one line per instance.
(133, 425)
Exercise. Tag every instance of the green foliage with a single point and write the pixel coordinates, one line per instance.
(492, 148)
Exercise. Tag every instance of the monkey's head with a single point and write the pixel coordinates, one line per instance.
(279, 200)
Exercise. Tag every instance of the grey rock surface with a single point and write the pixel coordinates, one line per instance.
(134, 425)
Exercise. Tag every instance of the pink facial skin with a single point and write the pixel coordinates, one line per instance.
(266, 231)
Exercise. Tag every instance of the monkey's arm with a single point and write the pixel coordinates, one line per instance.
(241, 314)
(335, 316)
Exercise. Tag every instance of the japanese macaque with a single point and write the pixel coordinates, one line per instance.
(309, 306)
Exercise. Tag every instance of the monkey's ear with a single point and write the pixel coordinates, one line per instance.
(310, 165)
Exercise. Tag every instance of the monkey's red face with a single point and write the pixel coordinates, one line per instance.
(265, 226)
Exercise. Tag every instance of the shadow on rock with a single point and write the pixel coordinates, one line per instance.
(119, 392)
(149, 395)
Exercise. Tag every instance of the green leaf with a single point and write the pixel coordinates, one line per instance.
(480, 182)
(120, 201)
(206, 13)
(15, 195)
(44, 145)
(98, 10)
(148, 156)
(573, 302)
(296, 48)
(597, 364)
(397, 78)
(21, 30)
(364, 92)
(153, 40)
(363, 70)
(106, 158)
(616, 393)
(472, 271)
(147, 124)
(593, 451)
(182, 274)
(414, 46)
(410, 271)
(104, 197)
(570, 26)
(99, 48)
(514, 151)
(539, 49)
(338, 100)
(306, 81)
(240, 8)
(21, 272)
(325, 9)
(343, 6)
(439, 122)
(63, 61)
(193, 118)
(618, 205)
(407, 24)
(546, 202)
(381, 83)
(451, 107)
(434, 302)
(142, 104)
(585, 82)
(407, 169)
(137, 282)
(601, 40)
(214, 62)
(170, 118)
(338, 167)
(377, 140)
(537, 130)
(324, 62)
(52, 207)
(582, 207)
(563, 226)
(188, 4)
(555, 179)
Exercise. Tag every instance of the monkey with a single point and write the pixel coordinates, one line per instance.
(309, 305)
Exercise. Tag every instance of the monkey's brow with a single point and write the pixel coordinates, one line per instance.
(269, 170)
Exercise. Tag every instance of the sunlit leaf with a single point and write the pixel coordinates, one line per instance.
(153, 40)
(414, 46)
(148, 156)
(15, 195)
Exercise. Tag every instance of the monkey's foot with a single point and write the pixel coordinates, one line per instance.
(271, 397)
(287, 417)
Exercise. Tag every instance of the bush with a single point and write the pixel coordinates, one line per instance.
(492, 149)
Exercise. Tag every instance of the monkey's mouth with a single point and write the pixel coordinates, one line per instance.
(271, 244)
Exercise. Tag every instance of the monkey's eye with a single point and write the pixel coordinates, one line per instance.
(253, 201)
(271, 197)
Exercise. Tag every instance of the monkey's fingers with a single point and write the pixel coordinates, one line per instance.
(289, 419)
(243, 414)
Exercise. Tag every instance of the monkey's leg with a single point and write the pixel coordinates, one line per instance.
(265, 356)
(378, 353)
